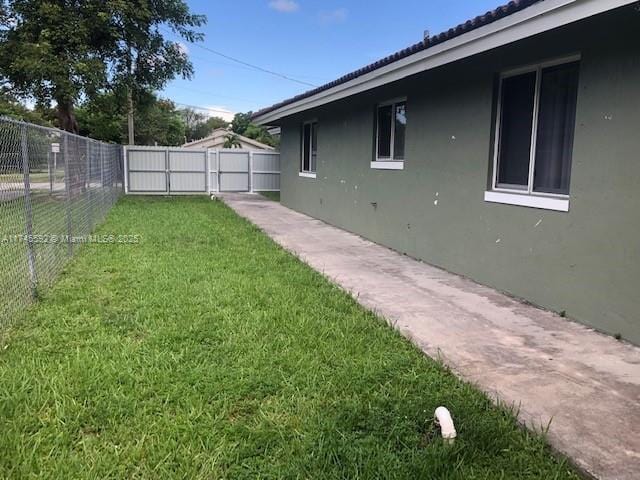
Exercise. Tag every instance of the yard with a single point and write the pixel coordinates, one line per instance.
(206, 351)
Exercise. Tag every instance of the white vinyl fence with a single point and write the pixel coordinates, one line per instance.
(182, 171)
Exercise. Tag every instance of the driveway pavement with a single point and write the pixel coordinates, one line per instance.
(585, 383)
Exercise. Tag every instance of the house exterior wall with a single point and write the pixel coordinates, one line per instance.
(585, 262)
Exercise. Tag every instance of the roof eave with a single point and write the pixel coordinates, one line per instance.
(538, 18)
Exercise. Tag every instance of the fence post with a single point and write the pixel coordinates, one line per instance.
(88, 174)
(101, 168)
(50, 170)
(125, 169)
(67, 186)
(250, 171)
(28, 212)
(218, 176)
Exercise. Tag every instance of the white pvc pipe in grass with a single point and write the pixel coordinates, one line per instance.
(447, 428)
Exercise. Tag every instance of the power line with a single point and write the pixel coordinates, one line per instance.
(250, 65)
(242, 67)
(255, 67)
(196, 107)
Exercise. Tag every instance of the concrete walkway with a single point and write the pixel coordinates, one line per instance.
(585, 383)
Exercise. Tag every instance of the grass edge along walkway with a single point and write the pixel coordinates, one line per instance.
(207, 351)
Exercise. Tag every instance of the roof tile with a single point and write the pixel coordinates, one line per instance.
(477, 22)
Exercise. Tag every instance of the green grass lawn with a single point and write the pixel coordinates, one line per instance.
(275, 196)
(34, 177)
(49, 217)
(206, 351)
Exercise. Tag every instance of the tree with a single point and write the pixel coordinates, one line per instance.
(205, 128)
(192, 120)
(54, 51)
(242, 125)
(141, 58)
(159, 123)
(259, 133)
(11, 107)
(65, 50)
(104, 117)
(199, 125)
(232, 140)
(240, 122)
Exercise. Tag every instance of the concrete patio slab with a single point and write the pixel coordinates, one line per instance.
(585, 383)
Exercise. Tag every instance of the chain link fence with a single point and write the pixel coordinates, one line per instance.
(55, 187)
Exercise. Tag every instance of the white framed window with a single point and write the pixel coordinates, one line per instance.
(309, 149)
(534, 135)
(391, 126)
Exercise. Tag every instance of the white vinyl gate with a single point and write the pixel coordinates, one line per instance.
(181, 171)
(232, 170)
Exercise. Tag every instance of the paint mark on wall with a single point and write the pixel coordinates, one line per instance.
(498, 240)
(539, 222)
(435, 202)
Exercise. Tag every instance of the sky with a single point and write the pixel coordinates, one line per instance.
(312, 41)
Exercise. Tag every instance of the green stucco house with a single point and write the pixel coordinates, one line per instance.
(506, 149)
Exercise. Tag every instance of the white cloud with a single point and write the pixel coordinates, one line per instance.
(339, 15)
(284, 6)
(220, 111)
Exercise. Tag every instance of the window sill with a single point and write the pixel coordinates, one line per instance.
(307, 174)
(525, 200)
(388, 164)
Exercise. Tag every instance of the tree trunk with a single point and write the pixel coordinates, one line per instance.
(66, 116)
(132, 140)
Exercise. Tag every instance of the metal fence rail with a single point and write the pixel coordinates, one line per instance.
(55, 187)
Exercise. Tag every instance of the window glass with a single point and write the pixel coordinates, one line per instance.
(400, 127)
(306, 139)
(314, 146)
(384, 131)
(556, 125)
(516, 120)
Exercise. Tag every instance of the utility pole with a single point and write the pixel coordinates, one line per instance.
(130, 117)
(132, 140)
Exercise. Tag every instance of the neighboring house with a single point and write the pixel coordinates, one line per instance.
(218, 138)
(506, 149)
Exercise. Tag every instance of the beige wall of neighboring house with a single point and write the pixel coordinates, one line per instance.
(218, 137)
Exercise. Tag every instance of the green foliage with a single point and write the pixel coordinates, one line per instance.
(206, 351)
(55, 51)
(64, 50)
(232, 140)
(242, 125)
(140, 57)
(11, 107)
(274, 196)
(260, 134)
(199, 125)
(240, 122)
(158, 121)
(103, 117)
